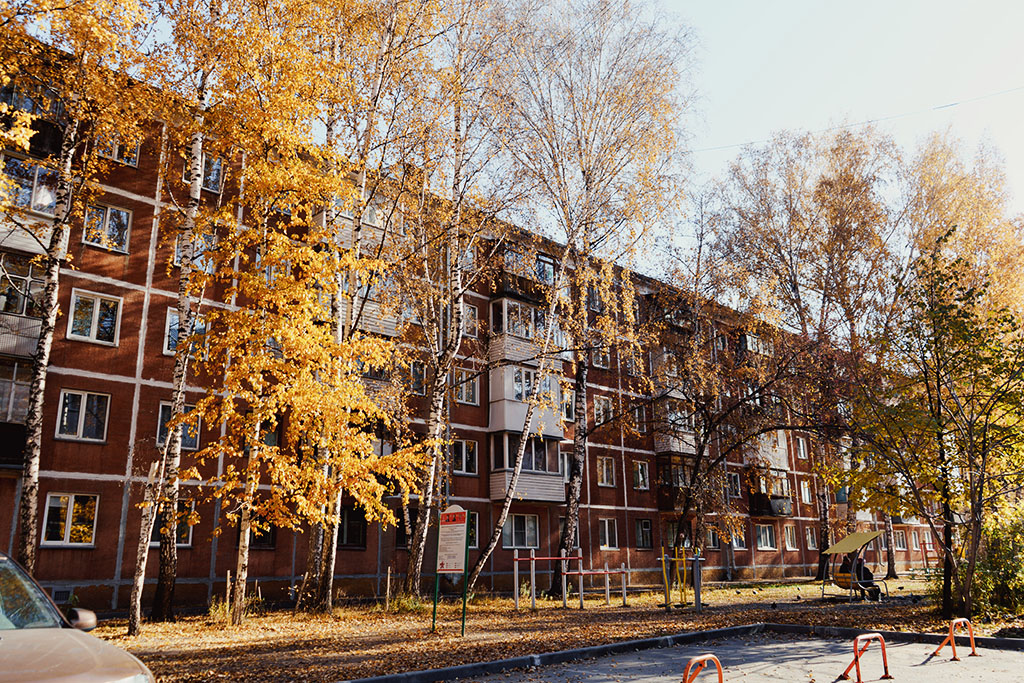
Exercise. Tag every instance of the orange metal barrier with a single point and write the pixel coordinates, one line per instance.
(701, 662)
(951, 639)
(858, 651)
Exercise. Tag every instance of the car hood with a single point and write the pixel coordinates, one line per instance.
(64, 655)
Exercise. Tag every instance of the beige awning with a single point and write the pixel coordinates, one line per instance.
(853, 542)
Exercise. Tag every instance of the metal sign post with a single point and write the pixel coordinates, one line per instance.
(452, 554)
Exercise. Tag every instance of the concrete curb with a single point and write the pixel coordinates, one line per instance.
(452, 673)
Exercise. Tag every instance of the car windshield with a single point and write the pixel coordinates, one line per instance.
(22, 604)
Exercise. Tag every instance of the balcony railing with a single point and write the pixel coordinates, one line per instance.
(544, 487)
(764, 505)
(19, 335)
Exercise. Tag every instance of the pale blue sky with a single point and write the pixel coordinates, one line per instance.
(772, 65)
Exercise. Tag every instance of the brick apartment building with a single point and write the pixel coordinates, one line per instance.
(108, 393)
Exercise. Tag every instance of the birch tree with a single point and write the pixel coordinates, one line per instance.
(593, 113)
(66, 70)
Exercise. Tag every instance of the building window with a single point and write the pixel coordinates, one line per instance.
(14, 383)
(805, 491)
(83, 415)
(352, 527)
(607, 534)
(521, 319)
(418, 378)
(801, 447)
(535, 456)
(641, 476)
(472, 317)
(464, 457)
(734, 485)
(107, 227)
(183, 529)
(766, 537)
(202, 256)
(739, 540)
(213, 173)
(644, 535)
(601, 358)
(605, 471)
(790, 532)
(520, 531)
(565, 465)
(113, 148)
(711, 540)
(467, 384)
(899, 539)
(473, 530)
(545, 269)
(522, 383)
(70, 519)
(640, 419)
(915, 538)
(811, 537)
(568, 402)
(94, 317)
(21, 285)
(32, 187)
(679, 417)
(189, 430)
(602, 410)
(262, 536)
(171, 332)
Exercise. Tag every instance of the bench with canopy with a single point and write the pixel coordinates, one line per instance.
(853, 543)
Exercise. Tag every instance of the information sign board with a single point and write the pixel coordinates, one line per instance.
(451, 541)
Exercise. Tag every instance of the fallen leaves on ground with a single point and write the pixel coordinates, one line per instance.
(356, 642)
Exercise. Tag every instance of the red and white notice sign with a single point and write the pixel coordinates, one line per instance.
(451, 541)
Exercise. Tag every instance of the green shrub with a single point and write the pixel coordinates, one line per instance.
(999, 580)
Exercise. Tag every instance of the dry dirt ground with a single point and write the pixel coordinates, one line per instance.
(357, 642)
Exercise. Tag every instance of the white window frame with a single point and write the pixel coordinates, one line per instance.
(640, 419)
(790, 537)
(899, 539)
(172, 311)
(526, 532)
(422, 389)
(734, 487)
(37, 169)
(739, 540)
(472, 320)
(202, 164)
(601, 358)
(711, 539)
(188, 542)
(105, 242)
(774, 542)
(605, 467)
(609, 528)
(915, 539)
(466, 382)
(811, 538)
(77, 436)
(201, 261)
(115, 152)
(66, 542)
(198, 428)
(603, 410)
(462, 444)
(94, 324)
(802, 452)
(805, 491)
(644, 525)
(641, 475)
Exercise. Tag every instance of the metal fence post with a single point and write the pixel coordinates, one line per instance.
(623, 568)
(579, 557)
(607, 586)
(515, 577)
(533, 579)
(565, 583)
